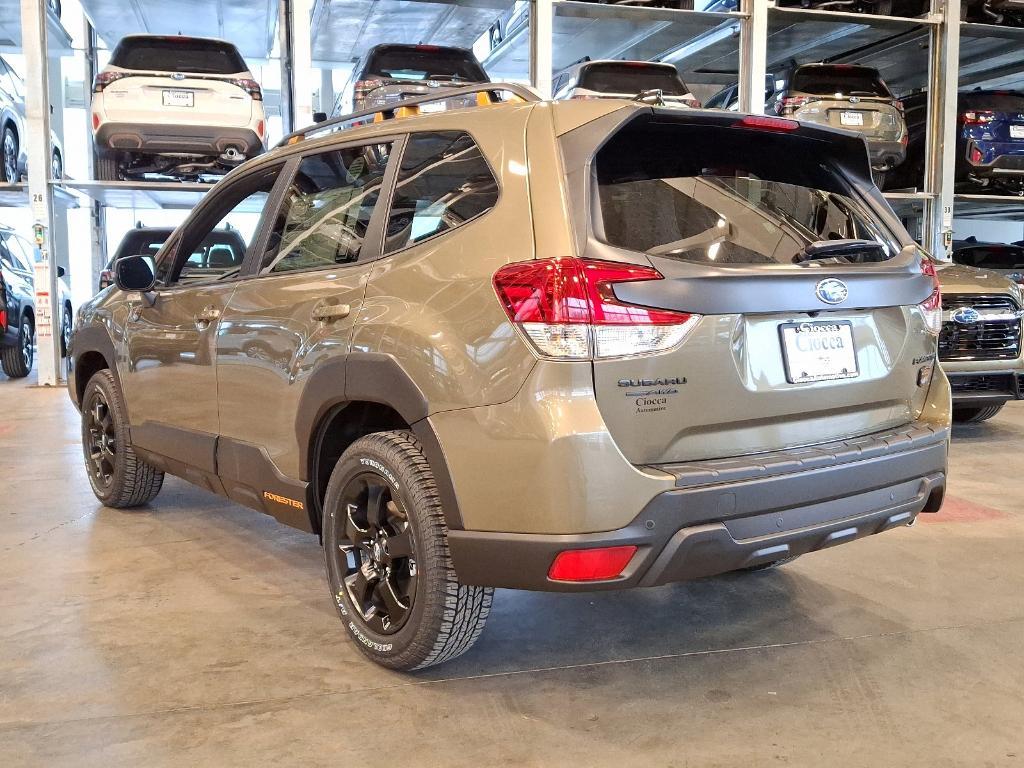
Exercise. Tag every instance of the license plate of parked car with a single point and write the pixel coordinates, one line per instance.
(1017, 131)
(179, 99)
(818, 351)
(851, 118)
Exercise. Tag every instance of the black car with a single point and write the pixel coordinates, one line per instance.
(1003, 258)
(223, 249)
(989, 142)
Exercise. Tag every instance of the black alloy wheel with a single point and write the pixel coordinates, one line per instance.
(10, 150)
(101, 441)
(376, 563)
(27, 344)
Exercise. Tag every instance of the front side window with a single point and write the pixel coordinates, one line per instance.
(713, 196)
(325, 217)
(443, 182)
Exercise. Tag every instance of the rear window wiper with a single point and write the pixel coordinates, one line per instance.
(865, 250)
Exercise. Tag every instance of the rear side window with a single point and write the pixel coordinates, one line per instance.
(424, 62)
(631, 78)
(325, 217)
(172, 54)
(997, 102)
(995, 257)
(828, 80)
(443, 182)
(712, 195)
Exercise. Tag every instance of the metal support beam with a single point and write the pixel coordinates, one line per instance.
(284, 44)
(940, 153)
(753, 56)
(37, 112)
(295, 30)
(98, 217)
(542, 24)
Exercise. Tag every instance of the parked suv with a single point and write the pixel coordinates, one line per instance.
(980, 344)
(623, 80)
(989, 142)
(567, 345)
(222, 249)
(850, 97)
(389, 73)
(12, 130)
(184, 106)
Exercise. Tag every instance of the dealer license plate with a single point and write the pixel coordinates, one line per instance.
(179, 99)
(818, 351)
(1017, 131)
(851, 118)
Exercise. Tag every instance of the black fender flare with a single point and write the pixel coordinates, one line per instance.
(92, 338)
(376, 378)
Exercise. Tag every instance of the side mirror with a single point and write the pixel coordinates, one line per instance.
(134, 273)
(319, 117)
(61, 272)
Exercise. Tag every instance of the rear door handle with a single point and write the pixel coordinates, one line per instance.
(325, 312)
(207, 316)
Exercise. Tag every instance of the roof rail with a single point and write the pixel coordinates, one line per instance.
(444, 94)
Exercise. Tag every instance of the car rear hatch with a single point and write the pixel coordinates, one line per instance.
(802, 293)
(626, 79)
(999, 119)
(847, 97)
(396, 72)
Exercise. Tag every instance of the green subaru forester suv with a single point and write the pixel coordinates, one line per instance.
(539, 345)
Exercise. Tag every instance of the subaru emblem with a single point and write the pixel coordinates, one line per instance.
(832, 291)
(855, 99)
(966, 316)
(178, 75)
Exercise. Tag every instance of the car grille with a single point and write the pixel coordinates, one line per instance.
(983, 384)
(984, 340)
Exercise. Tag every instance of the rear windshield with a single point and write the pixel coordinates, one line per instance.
(425, 63)
(713, 195)
(997, 102)
(205, 57)
(822, 81)
(991, 257)
(631, 79)
(148, 243)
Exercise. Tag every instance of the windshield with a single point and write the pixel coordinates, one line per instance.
(991, 257)
(182, 54)
(425, 63)
(825, 81)
(713, 196)
(631, 78)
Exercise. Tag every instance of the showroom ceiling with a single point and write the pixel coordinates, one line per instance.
(249, 24)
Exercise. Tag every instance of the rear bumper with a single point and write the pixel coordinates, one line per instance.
(185, 139)
(733, 513)
(886, 154)
(997, 159)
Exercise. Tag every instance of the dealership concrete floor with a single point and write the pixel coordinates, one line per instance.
(196, 632)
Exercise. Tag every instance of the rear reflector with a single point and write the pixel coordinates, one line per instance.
(591, 564)
(760, 123)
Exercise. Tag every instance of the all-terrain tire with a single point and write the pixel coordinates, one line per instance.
(131, 482)
(107, 167)
(964, 415)
(445, 618)
(16, 361)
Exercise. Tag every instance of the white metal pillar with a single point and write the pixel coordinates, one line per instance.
(296, 45)
(326, 90)
(98, 214)
(940, 157)
(753, 56)
(542, 22)
(37, 112)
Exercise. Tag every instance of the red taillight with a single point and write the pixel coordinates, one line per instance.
(932, 306)
(428, 47)
(905, 139)
(95, 121)
(790, 104)
(251, 87)
(3, 304)
(591, 564)
(976, 156)
(568, 309)
(978, 117)
(759, 123)
(261, 127)
(103, 79)
(899, 105)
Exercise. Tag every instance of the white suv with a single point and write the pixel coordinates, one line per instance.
(183, 106)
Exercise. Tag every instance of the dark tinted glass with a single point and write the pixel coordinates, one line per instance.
(823, 81)
(994, 257)
(427, 63)
(327, 214)
(997, 102)
(725, 196)
(178, 55)
(631, 78)
(444, 182)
